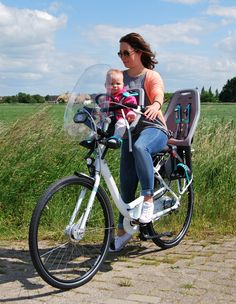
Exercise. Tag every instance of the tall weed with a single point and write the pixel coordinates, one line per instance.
(35, 152)
(214, 170)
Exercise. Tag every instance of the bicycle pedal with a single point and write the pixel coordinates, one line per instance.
(144, 234)
(142, 237)
(158, 236)
(89, 144)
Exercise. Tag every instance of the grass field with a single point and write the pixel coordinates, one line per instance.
(11, 113)
(35, 152)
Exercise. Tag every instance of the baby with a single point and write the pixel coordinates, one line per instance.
(115, 87)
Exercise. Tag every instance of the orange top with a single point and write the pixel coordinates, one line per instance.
(154, 88)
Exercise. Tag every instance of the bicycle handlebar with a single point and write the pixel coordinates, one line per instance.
(115, 105)
(118, 107)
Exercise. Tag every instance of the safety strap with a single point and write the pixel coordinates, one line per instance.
(186, 119)
(177, 119)
(186, 170)
(125, 95)
(182, 121)
(128, 130)
(187, 180)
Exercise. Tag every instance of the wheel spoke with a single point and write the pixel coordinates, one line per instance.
(61, 260)
(173, 226)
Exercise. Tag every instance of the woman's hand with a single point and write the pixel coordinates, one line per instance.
(152, 111)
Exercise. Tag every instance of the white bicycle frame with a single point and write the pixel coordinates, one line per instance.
(130, 211)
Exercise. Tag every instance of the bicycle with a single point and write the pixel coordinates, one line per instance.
(68, 253)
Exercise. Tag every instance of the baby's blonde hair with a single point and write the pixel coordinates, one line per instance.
(113, 72)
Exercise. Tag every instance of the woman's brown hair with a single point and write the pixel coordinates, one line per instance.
(137, 42)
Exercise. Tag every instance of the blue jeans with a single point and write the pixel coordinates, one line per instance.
(137, 165)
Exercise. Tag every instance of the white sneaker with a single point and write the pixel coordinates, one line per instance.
(147, 213)
(120, 242)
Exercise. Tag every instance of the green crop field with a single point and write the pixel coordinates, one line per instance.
(35, 151)
(10, 113)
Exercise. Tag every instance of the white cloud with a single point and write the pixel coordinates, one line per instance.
(188, 2)
(182, 32)
(228, 44)
(181, 65)
(27, 27)
(27, 48)
(226, 12)
(195, 71)
(228, 15)
(29, 60)
(186, 32)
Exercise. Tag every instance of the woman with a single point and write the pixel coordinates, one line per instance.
(135, 166)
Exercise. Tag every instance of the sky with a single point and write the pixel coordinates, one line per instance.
(46, 45)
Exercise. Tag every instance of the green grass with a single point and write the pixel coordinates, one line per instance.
(218, 111)
(35, 151)
(187, 286)
(10, 113)
(125, 283)
(214, 170)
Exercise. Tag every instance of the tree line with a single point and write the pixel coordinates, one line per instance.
(228, 94)
(24, 98)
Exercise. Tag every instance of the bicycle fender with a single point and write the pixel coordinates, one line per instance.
(80, 174)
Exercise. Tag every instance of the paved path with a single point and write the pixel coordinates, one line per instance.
(193, 272)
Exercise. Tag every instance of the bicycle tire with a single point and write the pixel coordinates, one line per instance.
(172, 227)
(62, 262)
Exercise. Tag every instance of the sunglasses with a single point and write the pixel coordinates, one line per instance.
(125, 53)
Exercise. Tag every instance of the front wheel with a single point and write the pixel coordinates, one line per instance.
(172, 227)
(62, 260)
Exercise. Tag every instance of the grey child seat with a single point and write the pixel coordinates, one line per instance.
(182, 115)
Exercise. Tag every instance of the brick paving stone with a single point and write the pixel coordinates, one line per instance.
(144, 299)
(200, 272)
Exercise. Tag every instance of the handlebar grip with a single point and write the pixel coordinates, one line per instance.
(143, 109)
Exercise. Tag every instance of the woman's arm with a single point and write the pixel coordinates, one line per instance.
(154, 89)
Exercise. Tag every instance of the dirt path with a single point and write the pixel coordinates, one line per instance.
(192, 272)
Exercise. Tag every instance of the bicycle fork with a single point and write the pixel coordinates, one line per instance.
(76, 230)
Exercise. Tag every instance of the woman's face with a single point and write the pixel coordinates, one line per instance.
(128, 55)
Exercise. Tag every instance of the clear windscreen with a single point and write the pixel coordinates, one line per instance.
(83, 112)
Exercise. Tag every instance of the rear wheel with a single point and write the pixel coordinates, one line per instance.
(172, 227)
(61, 260)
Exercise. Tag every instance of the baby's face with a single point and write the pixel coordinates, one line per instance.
(114, 84)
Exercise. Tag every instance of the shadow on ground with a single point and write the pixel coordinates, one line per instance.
(16, 266)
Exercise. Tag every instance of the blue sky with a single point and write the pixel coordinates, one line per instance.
(45, 45)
